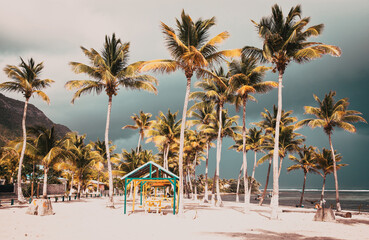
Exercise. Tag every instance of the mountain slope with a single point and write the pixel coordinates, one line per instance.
(11, 113)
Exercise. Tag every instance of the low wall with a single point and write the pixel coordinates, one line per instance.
(52, 189)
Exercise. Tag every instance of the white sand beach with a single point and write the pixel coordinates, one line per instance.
(89, 219)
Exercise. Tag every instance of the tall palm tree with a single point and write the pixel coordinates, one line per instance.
(192, 52)
(142, 123)
(204, 114)
(268, 124)
(324, 162)
(306, 162)
(238, 146)
(164, 132)
(49, 149)
(109, 71)
(328, 115)
(229, 127)
(285, 40)
(195, 144)
(247, 78)
(25, 80)
(255, 139)
(219, 91)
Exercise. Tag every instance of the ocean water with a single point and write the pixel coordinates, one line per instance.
(354, 200)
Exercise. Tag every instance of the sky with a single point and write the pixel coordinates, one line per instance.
(53, 31)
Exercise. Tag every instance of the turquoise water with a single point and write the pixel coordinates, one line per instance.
(350, 200)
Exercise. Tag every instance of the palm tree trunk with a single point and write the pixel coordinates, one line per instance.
(253, 173)
(111, 200)
(206, 195)
(194, 195)
(280, 166)
(266, 184)
(131, 191)
(139, 141)
(189, 182)
(213, 187)
(244, 159)
(44, 191)
(79, 188)
(33, 178)
(181, 145)
(98, 183)
(71, 185)
(166, 152)
(21, 198)
(338, 205)
(323, 187)
(303, 190)
(219, 152)
(275, 198)
(238, 184)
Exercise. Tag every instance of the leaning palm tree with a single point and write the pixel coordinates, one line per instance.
(142, 123)
(306, 162)
(192, 52)
(204, 114)
(324, 162)
(229, 127)
(109, 71)
(268, 123)
(164, 132)
(285, 40)
(26, 80)
(219, 91)
(255, 140)
(328, 115)
(49, 149)
(247, 78)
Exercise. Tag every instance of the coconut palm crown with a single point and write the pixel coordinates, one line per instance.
(109, 70)
(142, 123)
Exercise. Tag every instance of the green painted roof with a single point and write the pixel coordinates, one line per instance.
(144, 171)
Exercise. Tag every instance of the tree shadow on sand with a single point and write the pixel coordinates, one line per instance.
(353, 221)
(264, 234)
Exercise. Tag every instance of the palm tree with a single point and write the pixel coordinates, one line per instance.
(26, 80)
(285, 40)
(268, 124)
(142, 123)
(164, 132)
(195, 143)
(192, 52)
(330, 114)
(219, 91)
(110, 70)
(246, 78)
(229, 127)
(306, 162)
(49, 149)
(255, 139)
(324, 162)
(204, 114)
(238, 146)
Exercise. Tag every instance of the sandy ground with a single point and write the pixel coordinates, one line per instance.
(89, 219)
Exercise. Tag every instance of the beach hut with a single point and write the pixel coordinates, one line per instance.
(151, 178)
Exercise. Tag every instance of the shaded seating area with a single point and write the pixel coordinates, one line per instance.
(154, 183)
